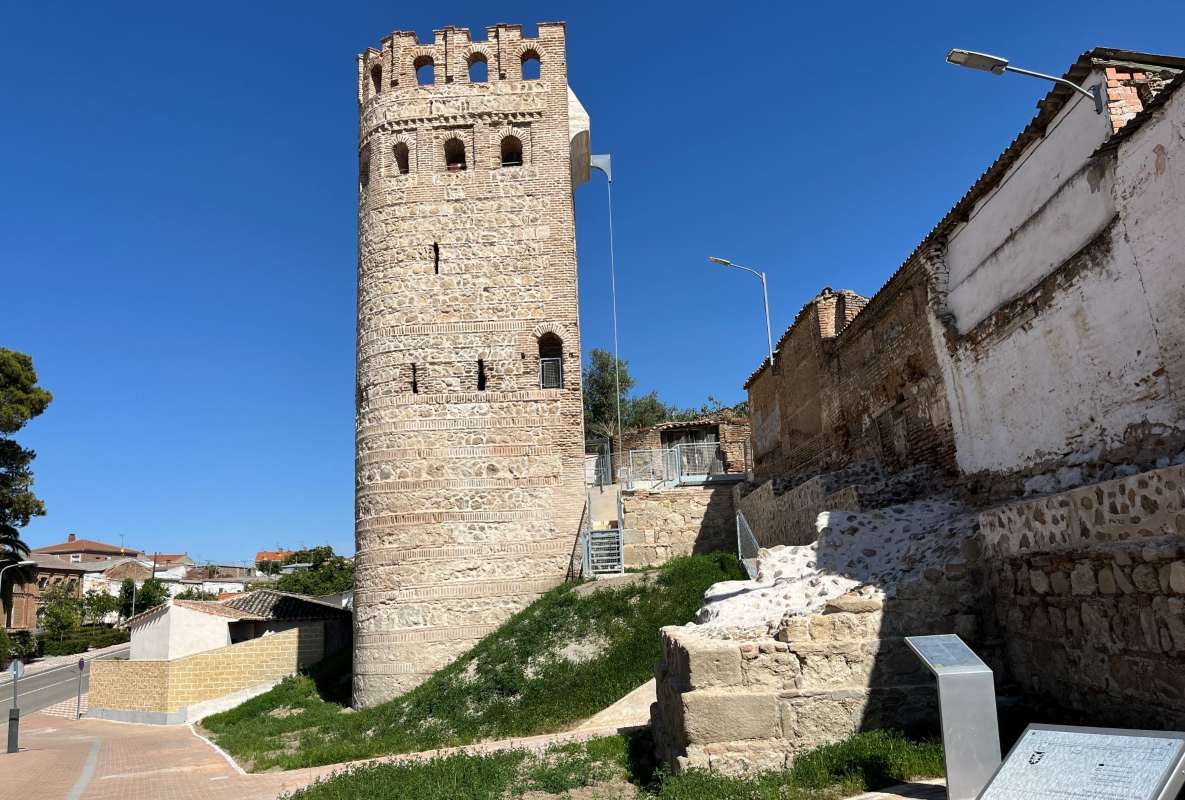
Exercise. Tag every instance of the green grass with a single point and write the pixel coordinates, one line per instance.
(517, 681)
(620, 766)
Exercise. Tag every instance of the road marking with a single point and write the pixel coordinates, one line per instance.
(88, 772)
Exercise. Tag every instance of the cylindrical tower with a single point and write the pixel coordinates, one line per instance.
(469, 423)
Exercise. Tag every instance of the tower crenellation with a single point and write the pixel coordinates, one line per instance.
(469, 436)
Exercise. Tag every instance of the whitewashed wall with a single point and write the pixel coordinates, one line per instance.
(1108, 350)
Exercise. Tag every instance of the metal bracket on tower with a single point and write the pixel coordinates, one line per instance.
(604, 163)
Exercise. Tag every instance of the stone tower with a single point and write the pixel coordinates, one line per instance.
(469, 432)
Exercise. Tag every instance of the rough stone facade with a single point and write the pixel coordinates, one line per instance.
(677, 522)
(732, 434)
(469, 472)
(162, 691)
(1089, 587)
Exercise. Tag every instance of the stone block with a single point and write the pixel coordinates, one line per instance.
(712, 663)
(1082, 579)
(726, 716)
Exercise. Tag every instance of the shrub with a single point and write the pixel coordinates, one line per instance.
(80, 641)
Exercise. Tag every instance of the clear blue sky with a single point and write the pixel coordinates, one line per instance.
(177, 216)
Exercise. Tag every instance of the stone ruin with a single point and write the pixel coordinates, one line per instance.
(812, 649)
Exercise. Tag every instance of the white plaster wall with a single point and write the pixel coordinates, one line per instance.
(1045, 209)
(194, 632)
(150, 639)
(1109, 351)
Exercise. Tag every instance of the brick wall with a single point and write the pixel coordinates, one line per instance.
(168, 687)
(673, 522)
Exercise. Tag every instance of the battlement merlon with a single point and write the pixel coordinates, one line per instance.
(401, 53)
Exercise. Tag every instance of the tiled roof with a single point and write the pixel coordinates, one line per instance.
(46, 561)
(272, 555)
(270, 604)
(217, 609)
(86, 546)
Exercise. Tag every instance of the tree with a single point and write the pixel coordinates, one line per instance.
(150, 594)
(601, 393)
(269, 567)
(21, 399)
(96, 605)
(329, 573)
(194, 593)
(61, 611)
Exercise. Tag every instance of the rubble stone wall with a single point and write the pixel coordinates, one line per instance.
(1089, 587)
(469, 478)
(660, 525)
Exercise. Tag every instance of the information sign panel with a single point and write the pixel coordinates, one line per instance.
(946, 654)
(1057, 762)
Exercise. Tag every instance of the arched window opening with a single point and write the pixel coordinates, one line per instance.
(531, 66)
(454, 155)
(436, 258)
(551, 362)
(376, 78)
(512, 151)
(402, 162)
(479, 68)
(481, 375)
(364, 168)
(415, 384)
(425, 70)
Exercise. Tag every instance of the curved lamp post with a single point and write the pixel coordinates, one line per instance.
(724, 262)
(997, 65)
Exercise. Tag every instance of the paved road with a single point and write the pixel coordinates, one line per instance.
(43, 689)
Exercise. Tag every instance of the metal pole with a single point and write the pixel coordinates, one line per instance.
(78, 704)
(769, 339)
(14, 720)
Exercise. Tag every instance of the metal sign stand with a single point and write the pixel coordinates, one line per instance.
(17, 668)
(78, 705)
(967, 704)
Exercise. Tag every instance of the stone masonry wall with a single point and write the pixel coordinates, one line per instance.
(676, 522)
(1089, 587)
(469, 474)
(165, 687)
(734, 706)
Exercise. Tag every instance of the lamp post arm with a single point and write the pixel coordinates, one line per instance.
(1095, 93)
(769, 339)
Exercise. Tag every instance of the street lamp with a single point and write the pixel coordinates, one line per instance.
(996, 65)
(724, 262)
(7, 567)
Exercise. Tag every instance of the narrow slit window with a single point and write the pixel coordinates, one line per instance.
(376, 78)
(402, 158)
(436, 258)
(364, 168)
(481, 375)
(415, 385)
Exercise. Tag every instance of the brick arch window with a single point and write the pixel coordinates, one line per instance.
(512, 151)
(454, 155)
(532, 65)
(364, 168)
(402, 157)
(479, 68)
(376, 78)
(551, 361)
(425, 69)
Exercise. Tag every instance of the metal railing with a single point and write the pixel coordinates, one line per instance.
(747, 547)
(604, 553)
(551, 373)
(678, 465)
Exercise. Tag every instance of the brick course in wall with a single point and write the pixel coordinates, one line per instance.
(161, 691)
(469, 489)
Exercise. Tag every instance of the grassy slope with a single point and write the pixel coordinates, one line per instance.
(866, 761)
(515, 682)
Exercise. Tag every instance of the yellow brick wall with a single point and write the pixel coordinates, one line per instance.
(173, 685)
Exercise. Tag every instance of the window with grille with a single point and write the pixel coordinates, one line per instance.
(551, 362)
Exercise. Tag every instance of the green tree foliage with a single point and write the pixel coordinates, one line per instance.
(21, 399)
(60, 613)
(269, 567)
(96, 605)
(150, 594)
(193, 593)
(329, 573)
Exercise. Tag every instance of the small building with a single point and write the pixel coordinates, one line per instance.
(21, 612)
(685, 452)
(181, 628)
(271, 557)
(77, 550)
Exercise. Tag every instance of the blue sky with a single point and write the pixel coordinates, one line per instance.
(177, 216)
